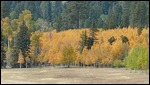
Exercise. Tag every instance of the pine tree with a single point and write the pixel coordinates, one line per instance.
(5, 8)
(22, 39)
(111, 19)
(124, 39)
(64, 15)
(45, 8)
(14, 57)
(133, 15)
(90, 42)
(117, 10)
(91, 39)
(56, 10)
(125, 14)
(58, 24)
(77, 13)
(83, 41)
(112, 39)
(140, 14)
(3, 56)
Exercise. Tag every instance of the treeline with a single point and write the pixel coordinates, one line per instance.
(23, 44)
(63, 15)
(29, 38)
(127, 48)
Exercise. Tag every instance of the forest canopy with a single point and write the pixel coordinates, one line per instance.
(63, 15)
(34, 33)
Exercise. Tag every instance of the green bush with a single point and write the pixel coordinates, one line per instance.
(138, 58)
(118, 63)
(143, 59)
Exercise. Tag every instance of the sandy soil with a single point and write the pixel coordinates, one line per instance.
(90, 75)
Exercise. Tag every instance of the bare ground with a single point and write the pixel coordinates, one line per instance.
(52, 75)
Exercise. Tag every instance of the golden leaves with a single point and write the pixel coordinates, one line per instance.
(21, 58)
(101, 51)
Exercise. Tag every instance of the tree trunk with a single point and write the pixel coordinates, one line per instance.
(14, 42)
(68, 65)
(78, 21)
(94, 64)
(26, 64)
(20, 65)
(8, 43)
(8, 57)
(35, 52)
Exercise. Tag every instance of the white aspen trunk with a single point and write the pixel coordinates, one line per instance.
(8, 43)
(14, 41)
(8, 56)
(20, 65)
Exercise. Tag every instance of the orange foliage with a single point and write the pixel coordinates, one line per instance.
(101, 52)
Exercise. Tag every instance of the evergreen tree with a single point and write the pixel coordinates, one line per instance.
(92, 38)
(14, 57)
(59, 23)
(18, 9)
(83, 41)
(100, 23)
(105, 7)
(56, 10)
(65, 19)
(133, 14)
(13, 15)
(90, 42)
(117, 10)
(125, 14)
(5, 8)
(111, 40)
(77, 11)
(111, 19)
(87, 23)
(22, 39)
(124, 39)
(3, 55)
(79, 14)
(45, 8)
(141, 18)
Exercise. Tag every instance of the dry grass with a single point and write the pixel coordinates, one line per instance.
(72, 75)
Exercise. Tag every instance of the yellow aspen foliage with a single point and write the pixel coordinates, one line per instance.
(78, 57)
(84, 54)
(95, 53)
(105, 49)
(5, 27)
(35, 46)
(59, 58)
(20, 58)
(88, 59)
(116, 52)
(31, 53)
(35, 38)
(69, 55)
(53, 55)
(101, 51)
